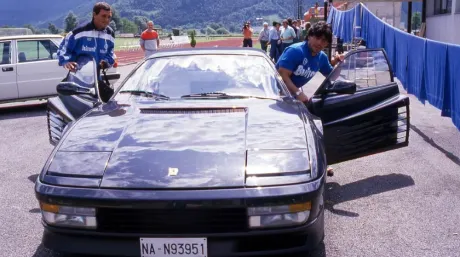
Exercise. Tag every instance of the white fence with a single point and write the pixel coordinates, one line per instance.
(173, 42)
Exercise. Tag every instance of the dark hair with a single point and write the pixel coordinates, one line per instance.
(320, 29)
(101, 6)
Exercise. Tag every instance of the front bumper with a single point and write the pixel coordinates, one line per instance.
(266, 242)
(260, 243)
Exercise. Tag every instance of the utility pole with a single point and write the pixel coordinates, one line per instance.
(299, 8)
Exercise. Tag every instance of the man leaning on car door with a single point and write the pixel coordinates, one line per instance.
(96, 38)
(299, 62)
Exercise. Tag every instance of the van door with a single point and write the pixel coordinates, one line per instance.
(8, 86)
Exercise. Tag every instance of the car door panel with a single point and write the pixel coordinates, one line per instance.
(38, 78)
(8, 85)
(374, 119)
(376, 129)
(38, 71)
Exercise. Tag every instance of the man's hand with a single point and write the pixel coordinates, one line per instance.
(104, 65)
(302, 97)
(337, 58)
(341, 57)
(71, 66)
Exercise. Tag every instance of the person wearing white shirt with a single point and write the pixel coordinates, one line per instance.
(263, 37)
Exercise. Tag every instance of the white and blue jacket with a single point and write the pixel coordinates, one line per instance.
(88, 40)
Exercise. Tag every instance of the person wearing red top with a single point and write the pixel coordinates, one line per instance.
(150, 41)
(247, 33)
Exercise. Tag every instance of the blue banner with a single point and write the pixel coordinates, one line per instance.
(435, 72)
(389, 45)
(451, 106)
(416, 66)
(401, 40)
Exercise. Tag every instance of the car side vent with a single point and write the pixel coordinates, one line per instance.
(192, 110)
(56, 125)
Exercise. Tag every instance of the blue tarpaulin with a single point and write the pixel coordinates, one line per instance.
(346, 29)
(336, 23)
(416, 66)
(376, 31)
(401, 40)
(365, 24)
(358, 20)
(435, 72)
(451, 106)
(331, 16)
(390, 44)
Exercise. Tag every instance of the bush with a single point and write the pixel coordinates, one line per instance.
(193, 41)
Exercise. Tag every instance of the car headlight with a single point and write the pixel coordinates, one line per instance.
(68, 216)
(279, 216)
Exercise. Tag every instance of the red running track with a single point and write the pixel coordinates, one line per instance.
(126, 57)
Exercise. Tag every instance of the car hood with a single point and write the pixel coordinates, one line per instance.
(184, 144)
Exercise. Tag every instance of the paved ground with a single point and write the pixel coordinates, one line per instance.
(401, 203)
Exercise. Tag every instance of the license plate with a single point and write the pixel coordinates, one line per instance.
(174, 247)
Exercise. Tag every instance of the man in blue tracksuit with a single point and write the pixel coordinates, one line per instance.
(95, 38)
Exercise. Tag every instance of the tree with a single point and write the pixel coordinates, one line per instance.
(117, 20)
(416, 20)
(53, 29)
(193, 41)
(113, 25)
(29, 26)
(141, 22)
(70, 22)
(129, 26)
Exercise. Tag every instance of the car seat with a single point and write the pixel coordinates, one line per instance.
(22, 57)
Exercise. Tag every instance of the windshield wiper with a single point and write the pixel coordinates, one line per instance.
(206, 94)
(221, 95)
(146, 93)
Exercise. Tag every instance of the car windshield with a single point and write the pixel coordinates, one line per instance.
(194, 76)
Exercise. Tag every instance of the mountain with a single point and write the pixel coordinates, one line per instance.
(166, 13)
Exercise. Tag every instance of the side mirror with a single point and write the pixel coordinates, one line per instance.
(72, 88)
(342, 87)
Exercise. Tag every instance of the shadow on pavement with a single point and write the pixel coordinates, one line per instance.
(430, 141)
(33, 178)
(337, 194)
(21, 111)
(44, 252)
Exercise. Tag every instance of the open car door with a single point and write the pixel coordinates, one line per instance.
(78, 92)
(361, 108)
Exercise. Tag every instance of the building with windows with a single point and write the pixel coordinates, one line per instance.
(443, 20)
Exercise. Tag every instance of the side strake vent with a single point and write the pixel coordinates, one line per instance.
(192, 110)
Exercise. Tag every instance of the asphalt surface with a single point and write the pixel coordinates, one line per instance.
(400, 203)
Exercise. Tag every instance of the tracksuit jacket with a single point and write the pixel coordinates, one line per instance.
(88, 40)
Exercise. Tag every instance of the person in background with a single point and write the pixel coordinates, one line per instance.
(150, 41)
(305, 30)
(263, 37)
(297, 31)
(287, 35)
(274, 41)
(247, 34)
